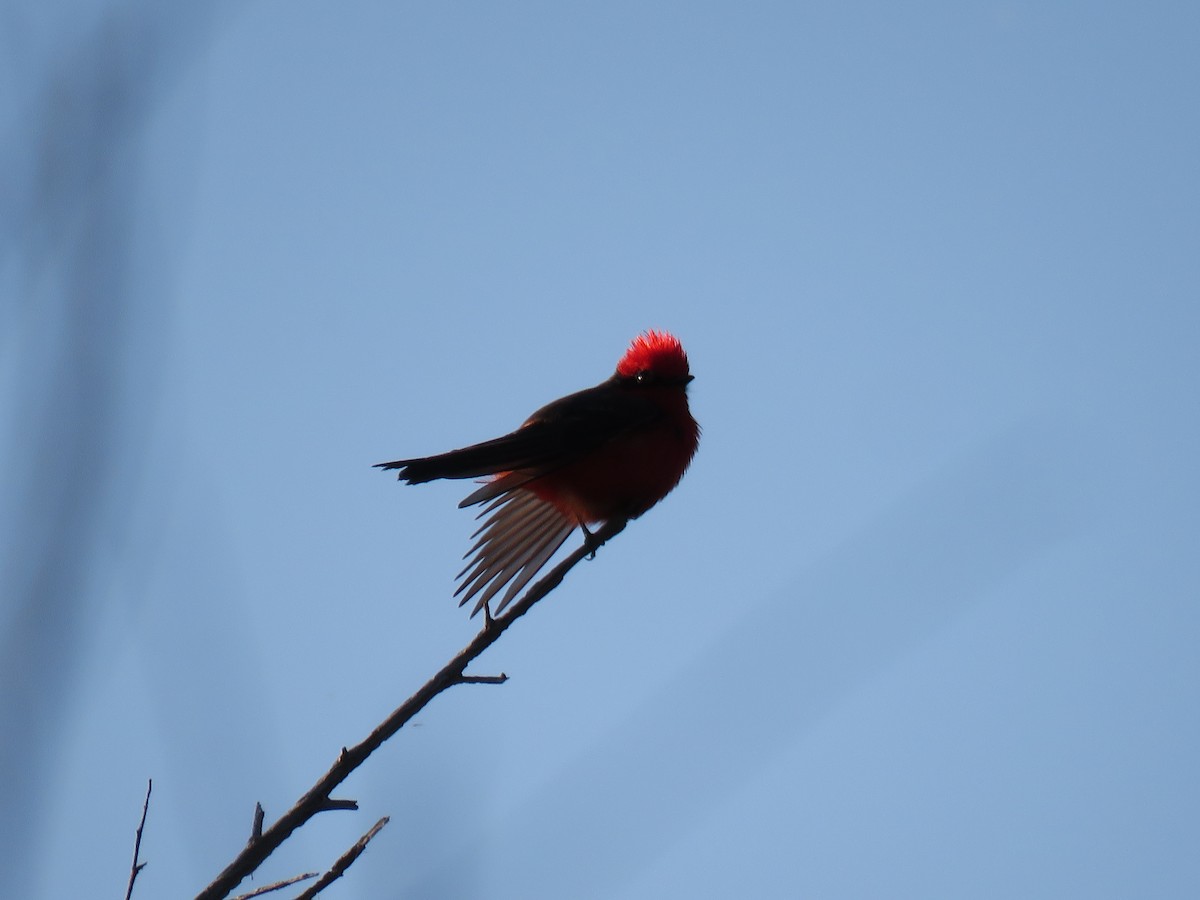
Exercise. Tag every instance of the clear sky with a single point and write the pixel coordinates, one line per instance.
(921, 621)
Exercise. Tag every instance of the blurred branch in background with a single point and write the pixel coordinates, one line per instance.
(80, 329)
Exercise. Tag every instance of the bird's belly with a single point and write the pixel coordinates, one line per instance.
(621, 479)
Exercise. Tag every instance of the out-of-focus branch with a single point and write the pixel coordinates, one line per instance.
(85, 236)
(318, 799)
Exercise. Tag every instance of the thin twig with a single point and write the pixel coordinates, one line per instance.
(277, 886)
(338, 869)
(317, 797)
(137, 867)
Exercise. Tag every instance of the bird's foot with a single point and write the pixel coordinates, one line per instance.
(590, 541)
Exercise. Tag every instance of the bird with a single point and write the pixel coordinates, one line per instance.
(610, 452)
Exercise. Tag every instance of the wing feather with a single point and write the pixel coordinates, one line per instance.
(531, 567)
(548, 544)
(498, 553)
(520, 535)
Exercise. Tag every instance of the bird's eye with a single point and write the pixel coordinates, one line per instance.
(644, 377)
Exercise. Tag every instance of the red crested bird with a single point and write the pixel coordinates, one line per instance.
(606, 453)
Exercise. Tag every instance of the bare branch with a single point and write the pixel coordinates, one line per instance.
(317, 798)
(137, 867)
(338, 869)
(277, 886)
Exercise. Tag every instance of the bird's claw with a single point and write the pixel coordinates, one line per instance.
(590, 541)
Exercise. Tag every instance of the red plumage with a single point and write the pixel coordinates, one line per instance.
(609, 452)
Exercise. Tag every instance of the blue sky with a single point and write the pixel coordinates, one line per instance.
(922, 619)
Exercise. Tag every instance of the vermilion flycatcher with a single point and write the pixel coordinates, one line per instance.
(609, 452)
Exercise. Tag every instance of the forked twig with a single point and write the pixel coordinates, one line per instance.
(136, 868)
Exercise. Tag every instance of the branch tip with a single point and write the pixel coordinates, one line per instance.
(136, 867)
(483, 679)
(257, 824)
(338, 869)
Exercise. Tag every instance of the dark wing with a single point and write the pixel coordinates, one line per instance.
(525, 448)
(554, 436)
(522, 531)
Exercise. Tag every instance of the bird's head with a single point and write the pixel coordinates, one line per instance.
(655, 358)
